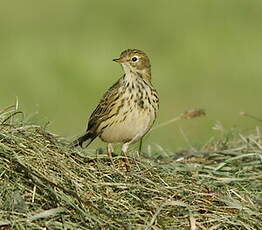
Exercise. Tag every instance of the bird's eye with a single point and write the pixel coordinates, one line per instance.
(134, 59)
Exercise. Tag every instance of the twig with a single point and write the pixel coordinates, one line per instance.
(186, 115)
(42, 215)
(250, 116)
(12, 115)
(197, 153)
(173, 203)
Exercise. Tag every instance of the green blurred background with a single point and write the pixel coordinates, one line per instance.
(56, 57)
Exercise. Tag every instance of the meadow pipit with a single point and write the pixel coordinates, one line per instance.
(128, 109)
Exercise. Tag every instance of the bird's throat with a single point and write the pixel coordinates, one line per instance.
(134, 75)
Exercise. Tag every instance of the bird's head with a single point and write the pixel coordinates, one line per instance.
(136, 61)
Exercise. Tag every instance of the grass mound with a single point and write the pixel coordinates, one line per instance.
(45, 184)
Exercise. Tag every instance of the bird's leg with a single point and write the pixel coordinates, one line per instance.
(124, 150)
(140, 146)
(110, 150)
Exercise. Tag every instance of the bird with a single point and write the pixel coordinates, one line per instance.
(128, 109)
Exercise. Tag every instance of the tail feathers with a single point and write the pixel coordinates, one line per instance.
(88, 138)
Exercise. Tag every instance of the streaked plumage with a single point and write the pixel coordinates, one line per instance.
(128, 109)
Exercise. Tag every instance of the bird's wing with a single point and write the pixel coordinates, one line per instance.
(103, 109)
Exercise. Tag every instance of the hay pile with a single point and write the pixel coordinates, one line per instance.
(44, 184)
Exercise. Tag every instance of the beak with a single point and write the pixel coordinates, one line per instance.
(119, 60)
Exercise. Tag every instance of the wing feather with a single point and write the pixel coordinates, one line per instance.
(104, 107)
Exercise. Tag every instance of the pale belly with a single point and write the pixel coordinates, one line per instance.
(135, 126)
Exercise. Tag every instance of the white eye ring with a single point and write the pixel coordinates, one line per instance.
(134, 59)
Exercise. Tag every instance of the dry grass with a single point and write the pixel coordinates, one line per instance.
(45, 184)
